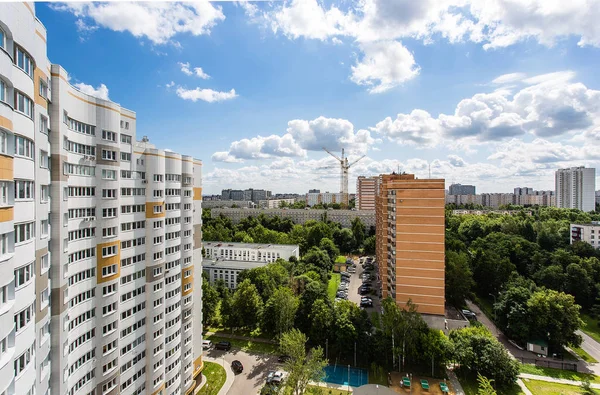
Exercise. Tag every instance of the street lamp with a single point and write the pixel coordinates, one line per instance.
(348, 378)
(410, 379)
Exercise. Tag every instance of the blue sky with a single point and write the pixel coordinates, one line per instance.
(517, 86)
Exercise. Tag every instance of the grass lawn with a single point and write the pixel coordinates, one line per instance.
(215, 378)
(334, 283)
(247, 345)
(559, 373)
(546, 388)
(340, 259)
(591, 327)
(584, 355)
(314, 390)
(471, 387)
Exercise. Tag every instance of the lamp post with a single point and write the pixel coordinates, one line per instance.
(410, 379)
(348, 378)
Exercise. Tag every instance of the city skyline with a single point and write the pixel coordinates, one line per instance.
(517, 102)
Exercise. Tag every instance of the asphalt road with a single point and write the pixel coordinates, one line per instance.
(355, 283)
(256, 369)
(590, 345)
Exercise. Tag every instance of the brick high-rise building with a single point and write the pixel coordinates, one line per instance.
(366, 189)
(410, 240)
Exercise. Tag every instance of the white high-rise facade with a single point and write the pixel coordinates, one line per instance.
(99, 293)
(575, 188)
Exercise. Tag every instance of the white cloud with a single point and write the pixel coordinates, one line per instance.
(158, 22)
(170, 84)
(507, 78)
(207, 95)
(550, 107)
(101, 92)
(224, 156)
(261, 148)
(384, 65)
(558, 76)
(185, 69)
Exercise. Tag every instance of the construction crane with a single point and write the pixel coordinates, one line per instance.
(344, 166)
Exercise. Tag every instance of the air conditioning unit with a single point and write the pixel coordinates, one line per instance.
(144, 181)
(91, 218)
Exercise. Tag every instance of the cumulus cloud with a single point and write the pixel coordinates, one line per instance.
(383, 66)
(101, 92)
(157, 22)
(207, 95)
(197, 71)
(260, 148)
(550, 107)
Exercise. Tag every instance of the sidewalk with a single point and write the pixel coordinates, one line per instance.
(230, 375)
(239, 337)
(458, 389)
(554, 380)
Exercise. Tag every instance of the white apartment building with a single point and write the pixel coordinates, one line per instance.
(275, 203)
(299, 216)
(366, 190)
(589, 233)
(249, 252)
(25, 231)
(227, 270)
(575, 188)
(126, 228)
(324, 198)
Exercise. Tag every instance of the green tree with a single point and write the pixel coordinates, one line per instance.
(512, 312)
(344, 239)
(554, 316)
(358, 230)
(330, 248)
(318, 232)
(247, 305)
(319, 258)
(437, 348)
(459, 279)
(303, 366)
(210, 302)
(280, 311)
(485, 386)
(321, 321)
(369, 245)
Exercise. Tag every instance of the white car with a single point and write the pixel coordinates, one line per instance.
(277, 377)
(206, 344)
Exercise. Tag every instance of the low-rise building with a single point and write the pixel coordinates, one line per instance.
(250, 251)
(226, 270)
(299, 216)
(275, 203)
(589, 233)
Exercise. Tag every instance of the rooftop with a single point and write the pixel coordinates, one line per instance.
(227, 264)
(254, 246)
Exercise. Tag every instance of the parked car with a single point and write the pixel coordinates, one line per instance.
(237, 366)
(277, 378)
(469, 314)
(366, 303)
(223, 346)
(351, 270)
(363, 291)
(207, 344)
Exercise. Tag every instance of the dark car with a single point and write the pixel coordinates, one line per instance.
(366, 303)
(223, 346)
(283, 358)
(363, 291)
(237, 366)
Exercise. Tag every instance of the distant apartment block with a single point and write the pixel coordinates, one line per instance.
(366, 189)
(484, 212)
(495, 200)
(275, 203)
(589, 233)
(575, 188)
(322, 198)
(459, 189)
(410, 241)
(343, 217)
(520, 191)
(226, 203)
(248, 195)
(224, 261)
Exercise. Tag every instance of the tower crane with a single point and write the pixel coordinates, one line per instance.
(344, 166)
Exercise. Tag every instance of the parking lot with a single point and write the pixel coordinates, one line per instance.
(356, 282)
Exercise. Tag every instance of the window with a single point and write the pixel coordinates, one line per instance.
(43, 124)
(158, 255)
(43, 89)
(158, 178)
(109, 232)
(3, 142)
(24, 62)
(81, 191)
(44, 225)
(125, 139)
(158, 240)
(80, 126)
(24, 147)
(158, 224)
(3, 193)
(81, 255)
(127, 125)
(109, 155)
(44, 193)
(109, 174)
(23, 104)
(109, 212)
(125, 156)
(109, 193)
(158, 209)
(2, 39)
(2, 90)
(157, 271)
(45, 263)
(108, 135)
(43, 159)
(24, 317)
(109, 251)
(24, 232)
(158, 193)
(79, 148)
(23, 360)
(78, 170)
